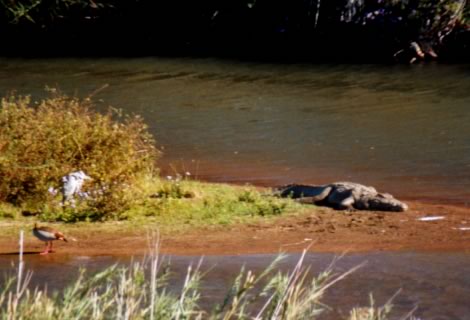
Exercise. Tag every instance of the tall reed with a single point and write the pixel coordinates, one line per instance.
(140, 291)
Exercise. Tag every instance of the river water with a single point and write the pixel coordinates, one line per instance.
(403, 129)
(438, 284)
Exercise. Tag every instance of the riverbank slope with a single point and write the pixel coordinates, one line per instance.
(328, 230)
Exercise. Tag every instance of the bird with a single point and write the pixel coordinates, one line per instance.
(47, 235)
(71, 185)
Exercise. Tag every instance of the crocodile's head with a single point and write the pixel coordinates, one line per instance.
(386, 202)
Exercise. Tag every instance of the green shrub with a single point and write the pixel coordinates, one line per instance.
(41, 142)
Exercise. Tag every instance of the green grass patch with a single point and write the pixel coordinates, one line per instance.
(170, 204)
(177, 203)
(196, 203)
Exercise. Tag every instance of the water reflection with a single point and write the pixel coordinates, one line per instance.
(401, 128)
(438, 283)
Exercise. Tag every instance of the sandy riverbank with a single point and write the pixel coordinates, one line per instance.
(329, 230)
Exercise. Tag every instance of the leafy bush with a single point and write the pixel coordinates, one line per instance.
(42, 141)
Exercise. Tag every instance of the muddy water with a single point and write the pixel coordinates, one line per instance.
(437, 283)
(404, 129)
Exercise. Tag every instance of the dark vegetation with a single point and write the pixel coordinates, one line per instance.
(314, 30)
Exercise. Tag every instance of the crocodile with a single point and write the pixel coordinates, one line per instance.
(343, 196)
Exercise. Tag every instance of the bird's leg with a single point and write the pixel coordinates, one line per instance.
(50, 247)
(46, 249)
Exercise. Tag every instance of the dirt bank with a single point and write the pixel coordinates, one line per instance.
(329, 230)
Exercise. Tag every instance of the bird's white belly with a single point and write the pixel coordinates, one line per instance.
(44, 235)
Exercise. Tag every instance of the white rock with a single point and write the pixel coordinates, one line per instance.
(431, 218)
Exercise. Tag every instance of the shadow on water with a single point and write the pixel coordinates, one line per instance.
(438, 283)
(16, 253)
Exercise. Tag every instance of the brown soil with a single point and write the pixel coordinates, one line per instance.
(326, 229)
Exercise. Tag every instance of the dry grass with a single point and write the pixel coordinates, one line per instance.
(140, 292)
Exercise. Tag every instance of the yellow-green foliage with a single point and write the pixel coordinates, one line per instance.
(191, 202)
(42, 141)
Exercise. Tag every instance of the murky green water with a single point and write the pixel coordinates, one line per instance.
(438, 284)
(404, 129)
